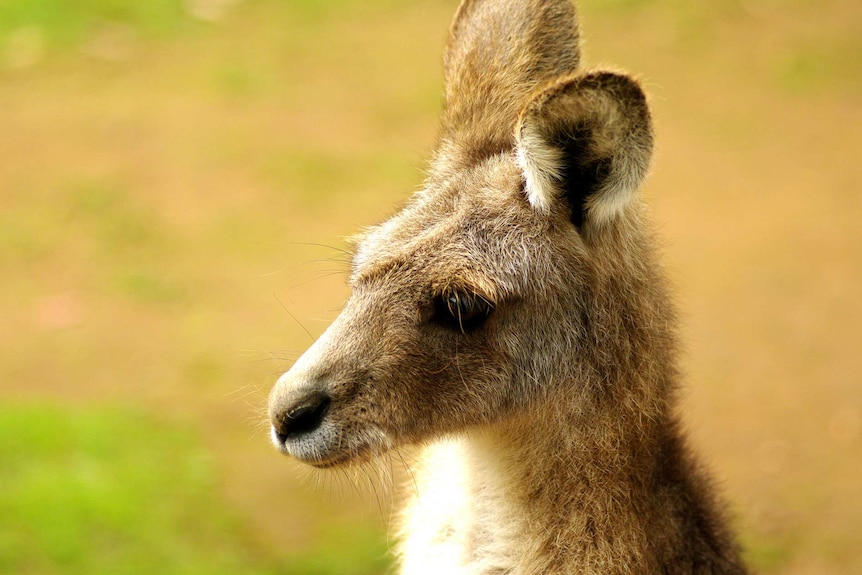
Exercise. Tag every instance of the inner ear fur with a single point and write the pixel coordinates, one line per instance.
(585, 139)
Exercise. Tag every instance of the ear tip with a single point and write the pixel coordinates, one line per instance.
(587, 137)
(624, 88)
(579, 91)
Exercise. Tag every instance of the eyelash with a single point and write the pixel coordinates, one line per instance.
(461, 311)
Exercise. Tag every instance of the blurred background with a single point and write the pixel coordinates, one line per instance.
(177, 178)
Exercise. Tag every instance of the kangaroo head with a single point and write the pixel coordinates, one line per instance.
(484, 294)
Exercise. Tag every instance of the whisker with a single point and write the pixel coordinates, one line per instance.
(293, 316)
(317, 245)
(319, 277)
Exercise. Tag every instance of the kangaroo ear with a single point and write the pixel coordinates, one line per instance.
(498, 52)
(585, 139)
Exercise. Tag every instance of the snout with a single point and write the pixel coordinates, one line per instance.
(300, 417)
(318, 416)
(298, 410)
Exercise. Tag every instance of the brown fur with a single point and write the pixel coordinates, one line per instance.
(550, 425)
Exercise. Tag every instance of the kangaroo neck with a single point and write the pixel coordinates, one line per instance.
(570, 487)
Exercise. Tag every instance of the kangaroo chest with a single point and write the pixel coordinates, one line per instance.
(456, 521)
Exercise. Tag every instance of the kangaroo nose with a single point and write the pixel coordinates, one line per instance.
(303, 416)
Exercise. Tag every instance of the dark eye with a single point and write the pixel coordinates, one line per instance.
(461, 311)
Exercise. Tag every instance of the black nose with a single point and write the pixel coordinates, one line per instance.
(304, 416)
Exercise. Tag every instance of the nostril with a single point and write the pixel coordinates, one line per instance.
(280, 436)
(304, 417)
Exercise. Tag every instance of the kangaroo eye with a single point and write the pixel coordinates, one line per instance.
(461, 311)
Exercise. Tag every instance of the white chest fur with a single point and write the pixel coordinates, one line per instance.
(456, 521)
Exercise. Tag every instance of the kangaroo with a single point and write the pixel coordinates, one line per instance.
(512, 321)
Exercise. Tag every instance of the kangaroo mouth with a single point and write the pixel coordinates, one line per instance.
(327, 446)
(351, 458)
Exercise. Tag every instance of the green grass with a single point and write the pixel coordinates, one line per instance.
(62, 22)
(115, 491)
(832, 63)
(769, 552)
